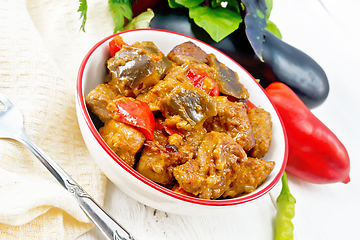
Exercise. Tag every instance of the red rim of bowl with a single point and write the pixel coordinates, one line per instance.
(137, 175)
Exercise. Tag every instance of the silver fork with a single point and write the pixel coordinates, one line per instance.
(11, 127)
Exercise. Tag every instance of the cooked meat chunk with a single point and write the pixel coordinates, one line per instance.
(189, 143)
(157, 158)
(261, 124)
(132, 71)
(228, 80)
(98, 99)
(165, 152)
(187, 51)
(123, 139)
(216, 165)
(252, 173)
(232, 119)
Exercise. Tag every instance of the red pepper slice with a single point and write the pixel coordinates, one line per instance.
(115, 45)
(160, 125)
(180, 190)
(135, 113)
(172, 130)
(315, 155)
(198, 79)
(250, 105)
(157, 57)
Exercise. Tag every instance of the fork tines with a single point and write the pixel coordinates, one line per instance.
(5, 102)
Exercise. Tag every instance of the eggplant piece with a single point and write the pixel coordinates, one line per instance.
(191, 104)
(98, 99)
(163, 65)
(282, 62)
(132, 71)
(228, 80)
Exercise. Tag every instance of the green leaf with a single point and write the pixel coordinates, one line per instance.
(255, 22)
(173, 4)
(121, 9)
(216, 3)
(218, 22)
(83, 10)
(269, 4)
(233, 5)
(189, 3)
(270, 25)
(273, 28)
(141, 21)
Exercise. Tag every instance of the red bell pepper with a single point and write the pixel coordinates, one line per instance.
(160, 125)
(316, 155)
(115, 45)
(135, 113)
(157, 57)
(199, 80)
(180, 190)
(249, 105)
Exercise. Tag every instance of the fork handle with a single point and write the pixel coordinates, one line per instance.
(102, 220)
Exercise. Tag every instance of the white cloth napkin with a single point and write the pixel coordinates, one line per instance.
(41, 49)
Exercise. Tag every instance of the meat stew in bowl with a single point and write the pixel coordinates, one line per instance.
(183, 120)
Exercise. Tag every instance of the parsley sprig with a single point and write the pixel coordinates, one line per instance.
(83, 13)
(122, 15)
(121, 10)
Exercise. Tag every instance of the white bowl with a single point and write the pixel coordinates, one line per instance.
(92, 72)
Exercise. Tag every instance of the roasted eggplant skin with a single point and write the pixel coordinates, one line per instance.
(296, 69)
(282, 62)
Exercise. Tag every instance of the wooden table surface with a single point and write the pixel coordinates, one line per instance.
(328, 31)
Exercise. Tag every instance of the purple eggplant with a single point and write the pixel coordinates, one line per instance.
(282, 62)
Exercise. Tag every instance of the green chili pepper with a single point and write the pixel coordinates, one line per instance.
(285, 212)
